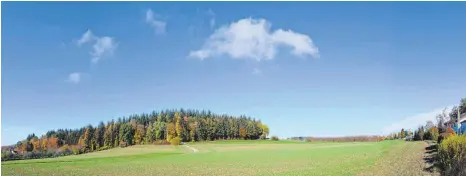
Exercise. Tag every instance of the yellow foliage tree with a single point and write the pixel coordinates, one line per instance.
(44, 142)
(179, 126)
(171, 132)
(139, 134)
(35, 144)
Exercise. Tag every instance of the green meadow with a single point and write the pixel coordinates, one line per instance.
(231, 158)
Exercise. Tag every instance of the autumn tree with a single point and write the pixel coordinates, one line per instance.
(52, 143)
(171, 131)
(179, 126)
(139, 134)
(265, 131)
(43, 143)
(242, 133)
(433, 133)
(192, 131)
(108, 136)
(35, 144)
(88, 138)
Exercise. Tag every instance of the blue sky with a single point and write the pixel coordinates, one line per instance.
(303, 68)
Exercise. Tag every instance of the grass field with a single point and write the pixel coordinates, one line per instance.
(234, 158)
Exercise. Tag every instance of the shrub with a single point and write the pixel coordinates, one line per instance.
(175, 141)
(75, 149)
(434, 133)
(50, 152)
(380, 138)
(452, 155)
(440, 138)
(123, 144)
(161, 142)
(274, 138)
(431, 134)
(103, 148)
(63, 152)
(450, 131)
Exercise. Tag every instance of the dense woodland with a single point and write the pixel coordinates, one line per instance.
(165, 127)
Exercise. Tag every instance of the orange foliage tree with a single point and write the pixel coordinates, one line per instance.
(242, 133)
(52, 142)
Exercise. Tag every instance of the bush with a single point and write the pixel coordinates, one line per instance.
(452, 155)
(450, 131)
(161, 142)
(440, 138)
(434, 134)
(103, 148)
(175, 141)
(76, 149)
(50, 153)
(123, 144)
(431, 134)
(62, 152)
(274, 138)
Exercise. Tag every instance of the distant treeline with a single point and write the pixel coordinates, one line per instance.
(340, 139)
(449, 136)
(165, 127)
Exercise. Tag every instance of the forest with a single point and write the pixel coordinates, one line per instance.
(164, 127)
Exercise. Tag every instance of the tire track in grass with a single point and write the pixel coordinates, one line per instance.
(192, 148)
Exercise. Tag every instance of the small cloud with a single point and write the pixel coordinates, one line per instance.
(413, 122)
(212, 18)
(74, 78)
(104, 46)
(86, 37)
(157, 24)
(252, 39)
(257, 71)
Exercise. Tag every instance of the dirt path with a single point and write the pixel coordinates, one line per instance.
(408, 158)
(192, 148)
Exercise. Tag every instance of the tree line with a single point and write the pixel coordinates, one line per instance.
(442, 128)
(450, 140)
(164, 127)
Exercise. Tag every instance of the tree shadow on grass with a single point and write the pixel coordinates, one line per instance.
(430, 158)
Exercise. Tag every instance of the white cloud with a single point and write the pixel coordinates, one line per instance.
(104, 46)
(158, 25)
(212, 18)
(86, 37)
(413, 122)
(252, 39)
(74, 78)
